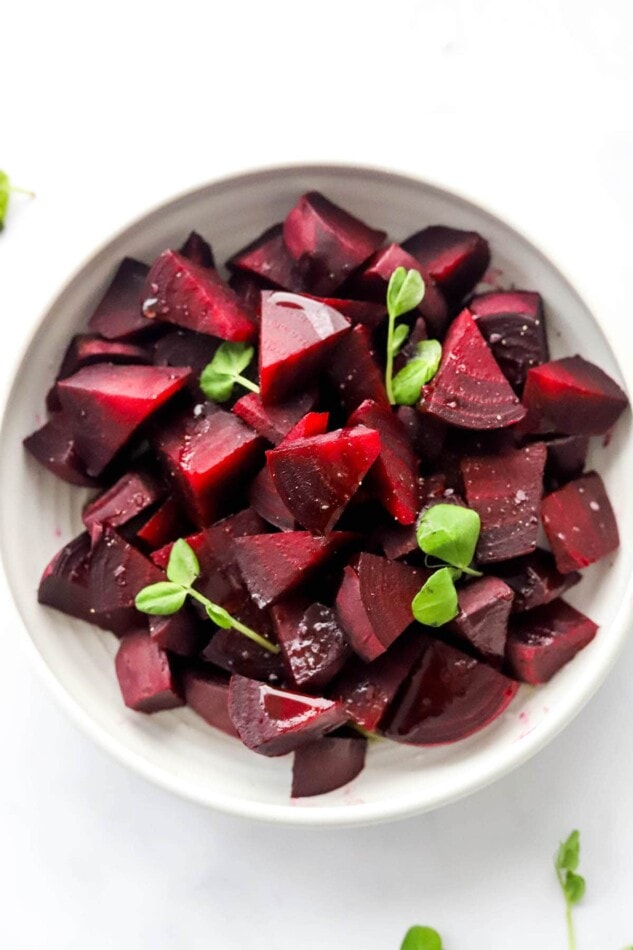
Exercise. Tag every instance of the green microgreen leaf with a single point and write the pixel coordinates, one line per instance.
(568, 855)
(160, 599)
(6, 189)
(572, 885)
(436, 601)
(219, 616)
(404, 292)
(407, 384)
(183, 566)
(400, 334)
(421, 938)
(450, 533)
(220, 376)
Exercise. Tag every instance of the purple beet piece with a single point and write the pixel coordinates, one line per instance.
(198, 250)
(327, 764)
(267, 258)
(395, 540)
(513, 324)
(118, 572)
(312, 643)
(544, 640)
(506, 491)
(185, 348)
(54, 447)
(579, 523)
(535, 580)
(106, 404)
(208, 695)
(182, 633)
(235, 653)
(456, 259)
(469, 390)
(298, 336)
(275, 422)
(133, 493)
(328, 241)
(394, 476)
(196, 298)
(146, 680)
(118, 315)
(354, 372)
(313, 423)
(317, 477)
(160, 557)
(426, 434)
(366, 313)
(65, 583)
(275, 564)
(86, 348)
(482, 621)
(274, 721)
(264, 498)
(566, 457)
(164, 525)
(449, 696)
(374, 602)
(249, 288)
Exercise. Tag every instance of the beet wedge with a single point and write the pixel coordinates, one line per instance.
(236, 654)
(513, 325)
(566, 457)
(274, 722)
(469, 390)
(179, 347)
(198, 250)
(133, 493)
(535, 580)
(327, 764)
(579, 523)
(146, 680)
(268, 259)
(456, 259)
(118, 315)
(312, 643)
(366, 313)
(54, 447)
(87, 348)
(542, 641)
(208, 695)
(264, 498)
(274, 422)
(313, 423)
(118, 572)
(482, 622)
(182, 633)
(354, 372)
(65, 583)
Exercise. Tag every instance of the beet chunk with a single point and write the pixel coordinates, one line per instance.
(354, 371)
(54, 447)
(513, 325)
(185, 348)
(312, 643)
(313, 423)
(181, 633)
(395, 473)
(133, 493)
(106, 404)
(572, 396)
(119, 315)
(579, 523)
(85, 349)
(469, 390)
(196, 298)
(144, 675)
(482, 622)
(117, 573)
(317, 477)
(274, 722)
(65, 583)
(208, 695)
(297, 337)
(566, 457)
(267, 257)
(359, 312)
(426, 434)
(544, 640)
(264, 498)
(274, 422)
(449, 697)
(505, 490)
(328, 241)
(236, 654)
(456, 259)
(198, 250)
(165, 525)
(327, 764)
(535, 580)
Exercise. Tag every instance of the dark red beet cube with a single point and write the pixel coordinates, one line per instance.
(273, 721)
(118, 572)
(119, 315)
(196, 298)
(327, 764)
(367, 313)
(313, 423)
(163, 526)
(208, 695)
(513, 325)
(106, 404)
(426, 434)
(185, 348)
(354, 372)
(264, 498)
(328, 241)
(183, 633)
(54, 447)
(456, 259)
(313, 645)
(544, 640)
(231, 651)
(566, 457)
(274, 422)
(298, 335)
(535, 580)
(86, 349)
(506, 491)
(469, 390)
(198, 250)
(572, 396)
(579, 523)
(133, 493)
(267, 258)
(145, 678)
(65, 583)
(482, 622)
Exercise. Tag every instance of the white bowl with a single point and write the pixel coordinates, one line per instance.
(177, 749)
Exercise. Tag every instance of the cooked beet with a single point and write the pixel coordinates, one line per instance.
(505, 490)
(482, 622)
(395, 540)
(54, 447)
(426, 434)
(185, 348)
(363, 312)
(327, 764)
(355, 373)
(198, 250)
(456, 259)
(513, 325)
(264, 498)
(249, 288)
(313, 423)
(106, 404)
(196, 298)
(328, 241)
(544, 640)
(133, 493)
(144, 675)
(235, 653)
(572, 396)
(312, 643)
(297, 337)
(579, 523)
(87, 348)
(183, 633)
(566, 457)
(267, 257)
(119, 315)
(469, 390)
(449, 696)
(118, 572)
(395, 473)
(208, 695)
(535, 580)
(65, 583)
(274, 721)
(160, 557)
(316, 477)
(274, 422)
(165, 525)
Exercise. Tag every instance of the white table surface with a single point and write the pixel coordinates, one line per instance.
(108, 108)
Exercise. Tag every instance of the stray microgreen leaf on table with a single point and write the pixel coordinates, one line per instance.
(407, 384)
(224, 372)
(436, 601)
(405, 291)
(572, 884)
(421, 938)
(450, 533)
(6, 189)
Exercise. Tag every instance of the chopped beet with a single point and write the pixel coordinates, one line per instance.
(196, 298)
(235, 653)
(198, 250)
(206, 454)
(449, 696)
(145, 678)
(426, 434)
(275, 564)
(363, 312)
(355, 373)
(185, 348)
(317, 477)
(274, 721)
(456, 259)
(396, 540)
(374, 602)
(482, 622)
(395, 473)
(328, 241)
(327, 764)
(264, 498)
(65, 583)
(312, 643)
(106, 404)
(117, 573)
(506, 490)
(220, 579)
(469, 390)
(313, 423)
(208, 695)
(544, 640)
(579, 523)
(133, 493)
(249, 288)
(535, 580)
(566, 457)
(183, 633)
(54, 447)
(161, 556)
(267, 257)
(163, 526)
(86, 349)
(513, 325)
(119, 315)
(573, 397)
(274, 422)
(297, 337)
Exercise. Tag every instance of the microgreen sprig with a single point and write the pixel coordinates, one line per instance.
(405, 291)
(421, 938)
(407, 384)
(224, 372)
(6, 189)
(167, 597)
(572, 885)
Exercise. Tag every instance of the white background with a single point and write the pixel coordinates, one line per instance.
(110, 107)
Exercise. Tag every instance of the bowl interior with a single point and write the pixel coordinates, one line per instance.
(38, 513)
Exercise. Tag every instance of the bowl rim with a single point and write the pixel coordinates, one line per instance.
(335, 815)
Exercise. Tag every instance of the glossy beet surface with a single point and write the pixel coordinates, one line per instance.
(274, 422)
(312, 642)
(482, 622)
(54, 447)
(133, 493)
(535, 580)
(355, 372)
(543, 641)
(326, 764)
(579, 523)
(513, 325)
(456, 259)
(572, 396)
(268, 259)
(144, 675)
